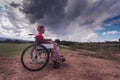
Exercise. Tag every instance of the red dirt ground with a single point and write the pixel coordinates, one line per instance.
(77, 67)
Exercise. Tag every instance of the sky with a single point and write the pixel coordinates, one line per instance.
(70, 20)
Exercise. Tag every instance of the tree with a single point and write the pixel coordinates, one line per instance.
(119, 39)
(57, 41)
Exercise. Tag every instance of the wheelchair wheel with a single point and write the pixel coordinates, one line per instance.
(56, 65)
(34, 57)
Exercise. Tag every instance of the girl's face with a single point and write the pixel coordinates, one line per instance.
(41, 29)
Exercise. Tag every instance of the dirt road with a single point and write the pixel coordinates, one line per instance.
(77, 67)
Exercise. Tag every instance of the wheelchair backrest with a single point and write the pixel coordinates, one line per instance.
(38, 41)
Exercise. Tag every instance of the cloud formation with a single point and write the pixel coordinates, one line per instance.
(110, 32)
(75, 20)
(71, 19)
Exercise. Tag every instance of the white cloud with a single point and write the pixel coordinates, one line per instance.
(114, 40)
(13, 23)
(9, 1)
(91, 36)
(76, 33)
(110, 32)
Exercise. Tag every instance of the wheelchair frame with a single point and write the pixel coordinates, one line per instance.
(34, 53)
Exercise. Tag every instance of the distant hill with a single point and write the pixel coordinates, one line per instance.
(13, 40)
(2, 39)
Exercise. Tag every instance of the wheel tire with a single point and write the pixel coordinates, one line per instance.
(31, 52)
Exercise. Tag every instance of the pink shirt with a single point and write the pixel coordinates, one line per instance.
(40, 36)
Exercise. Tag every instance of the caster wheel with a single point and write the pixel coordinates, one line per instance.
(56, 65)
(62, 59)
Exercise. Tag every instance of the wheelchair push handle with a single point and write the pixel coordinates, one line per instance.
(31, 34)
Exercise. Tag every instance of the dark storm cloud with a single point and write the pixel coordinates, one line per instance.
(56, 14)
(75, 8)
(51, 11)
(62, 12)
(14, 4)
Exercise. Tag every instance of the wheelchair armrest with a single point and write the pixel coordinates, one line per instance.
(40, 41)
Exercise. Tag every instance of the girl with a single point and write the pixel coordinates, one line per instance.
(55, 51)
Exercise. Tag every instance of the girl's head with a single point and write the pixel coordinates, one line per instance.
(40, 29)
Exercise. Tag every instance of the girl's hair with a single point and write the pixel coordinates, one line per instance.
(41, 26)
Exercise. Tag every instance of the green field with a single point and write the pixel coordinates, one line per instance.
(11, 49)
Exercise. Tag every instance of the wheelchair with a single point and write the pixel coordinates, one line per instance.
(36, 56)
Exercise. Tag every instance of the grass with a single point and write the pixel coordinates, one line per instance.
(11, 49)
(14, 49)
